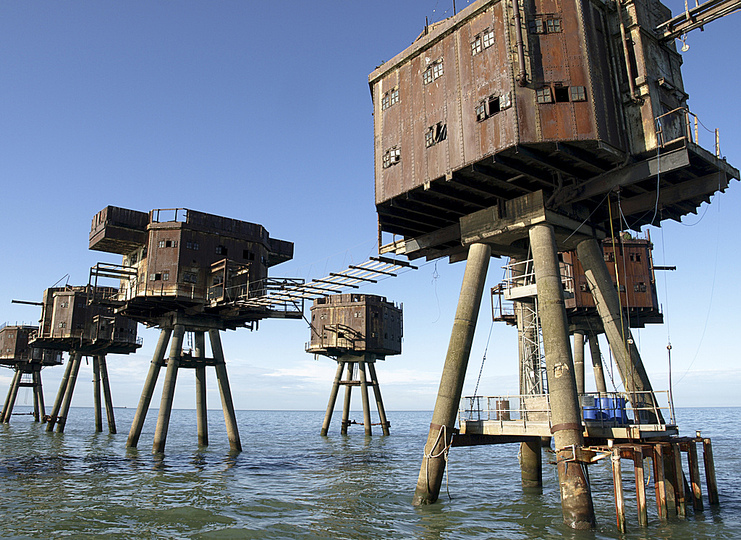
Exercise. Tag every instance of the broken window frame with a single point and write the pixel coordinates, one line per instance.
(391, 157)
(435, 134)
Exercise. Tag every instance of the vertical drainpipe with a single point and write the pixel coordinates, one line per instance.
(521, 77)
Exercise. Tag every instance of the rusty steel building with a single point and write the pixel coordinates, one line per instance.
(188, 271)
(356, 330)
(73, 320)
(27, 362)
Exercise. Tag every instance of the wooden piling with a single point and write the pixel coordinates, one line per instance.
(617, 480)
(640, 486)
(679, 495)
(707, 455)
(168, 390)
(230, 417)
(659, 485)
(694, 467)
(670, 479)
(107, 398)
(148, 390)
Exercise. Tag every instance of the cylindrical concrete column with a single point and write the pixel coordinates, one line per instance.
(230, 417)
(148, 390)
(69, 391)
(96, 395)
(379, 400)
(579, 361)
(617, 327)
(38, 389)
(365, 398)
(12, 393)
(566, 426)
(168, 389)
(4, 413)
(201, 405)
(531, 464)
(108, 399)
(332, 397)
(60, 393)
(454, 374)
(599, 372)
(348, 396)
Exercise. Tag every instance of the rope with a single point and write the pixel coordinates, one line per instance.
(444, 453)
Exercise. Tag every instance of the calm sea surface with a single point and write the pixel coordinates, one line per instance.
(292, 483)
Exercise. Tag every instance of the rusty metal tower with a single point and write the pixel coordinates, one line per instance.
(187, 271)
(522, 129)
(27, 362)
(355, 330)
(72, 321)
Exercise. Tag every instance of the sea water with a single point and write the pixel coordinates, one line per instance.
(290, 482)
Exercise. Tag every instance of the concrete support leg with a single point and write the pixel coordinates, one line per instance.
(617, 329)
(579, 361)
(348, 395)
(576, 497)
(531, 464)
(365, 398)
(12, 394)
(454, 373)
(379, 401)
(107, 398)
(168, 390)
(227, 404)
(617, 480)
(68, 392)
(332, 397)
(599, 372)
(640, 487)
(96, 395)
(148, 391)
(60, 393)
(201, 404)
(39, 388)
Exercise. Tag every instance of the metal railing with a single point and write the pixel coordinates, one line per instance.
(507, 408)
(681, 123)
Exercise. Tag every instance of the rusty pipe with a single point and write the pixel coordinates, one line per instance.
(521, 77)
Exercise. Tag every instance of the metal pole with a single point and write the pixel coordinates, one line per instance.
(364, 397)
(230, 417)
(617, 328)
(148, 391)
(168, 389)
(599, 372)
(64, 412)
(454, 372)
(201, 404)
(60, 393)
(346, 405)
(96, 394)
(332, 397)
(379, 401)
(579, 361)
(576, 497)
(107, 395)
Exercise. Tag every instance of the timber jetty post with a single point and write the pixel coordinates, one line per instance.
(356, 330)
(190, 273)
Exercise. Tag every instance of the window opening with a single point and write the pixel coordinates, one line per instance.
(488, 38)
(476, 45)
(436, 134)
(562, 94)
(553, 25)
(544, 95)
(392, 156)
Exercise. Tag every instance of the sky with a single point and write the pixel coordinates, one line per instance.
(261, 111)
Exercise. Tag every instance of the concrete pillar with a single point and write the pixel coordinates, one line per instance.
(531, 464)
(364, 397)
(617, 328)
(68, 392)
(39, 395)
(332, 397)
(576, 498)
(379, 400)
(96, 395)
(201, 404)
(230, 417)
(148, 391)
(4, 412)
(599, 372)
(60, 393)
(12, 393)
(579, 361)
(453, 375)
(348, 395)
(168, 389)
(108, 399)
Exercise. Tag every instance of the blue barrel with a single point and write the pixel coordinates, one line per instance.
(618, 413)
(607, 407)
(589, 408)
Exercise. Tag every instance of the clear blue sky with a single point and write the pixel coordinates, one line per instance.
(262, 112)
